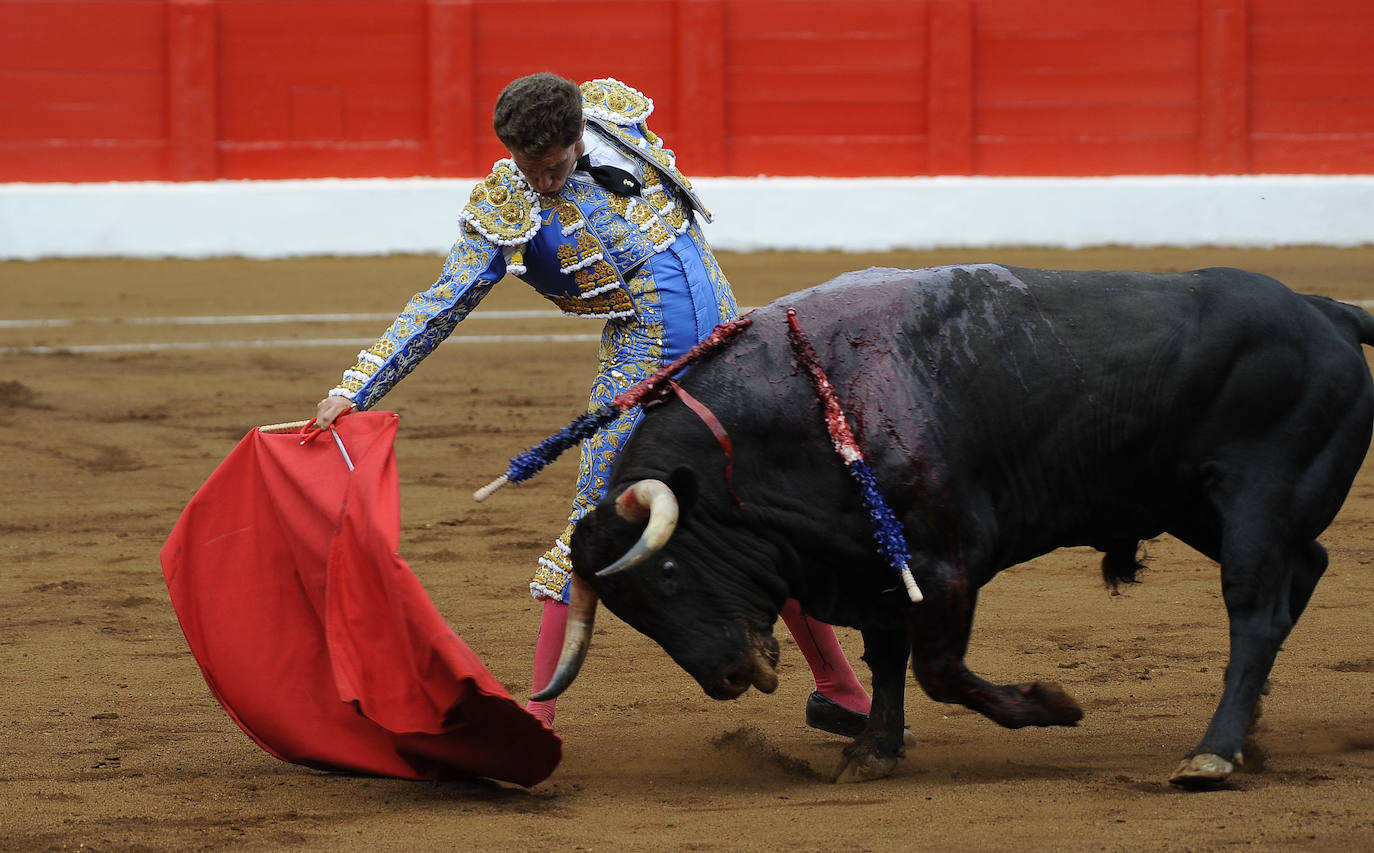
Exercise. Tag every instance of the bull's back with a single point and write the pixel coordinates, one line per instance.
(984, 340)
(1107, 391)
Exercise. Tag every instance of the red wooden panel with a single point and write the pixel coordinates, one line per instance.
(316, 27)
(1079, 91)
(817, 89)
(192, 90)
(78, 160)
(374, 111)
(1346, 48)
(321, 70)
(1279, 154)
(1117, 53)
(820, 119)
(90, 35)
(701, 91)
(1291, 84)
(559, 18)
(819, 20)
(1070, 157)
(1224, 87)
(863, 87)
(450, 120)
(1340, 41)
(281, 161)
(264, 105)
(80, 105)
(832, 156)
(1141, 121)
(1313, 117)
(1286, 13)
(400, 87)
(489, 150)
(825, 87)
(81, 70)
(1060, 87)
(821, 53)
(950, 88)
(1312, 87)
(631, 40)
(356, 49)
(1084, 16)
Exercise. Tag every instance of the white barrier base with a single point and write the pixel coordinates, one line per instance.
(272, 219)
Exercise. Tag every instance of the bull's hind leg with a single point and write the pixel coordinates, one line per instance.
(940, 634)
(1291, 427)
(1266, 589)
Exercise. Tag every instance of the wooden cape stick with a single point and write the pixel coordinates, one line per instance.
(293, 426)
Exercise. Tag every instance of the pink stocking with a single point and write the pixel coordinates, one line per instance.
(547, 648)
(835, 679)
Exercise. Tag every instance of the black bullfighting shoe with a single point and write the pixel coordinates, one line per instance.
(830, 716)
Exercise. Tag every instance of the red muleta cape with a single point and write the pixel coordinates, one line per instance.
(314, 634)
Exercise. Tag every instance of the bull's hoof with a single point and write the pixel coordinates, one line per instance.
(1202, 771)
(865, 767)
(1053, 705)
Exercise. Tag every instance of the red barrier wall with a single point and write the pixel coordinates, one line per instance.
(94, 90)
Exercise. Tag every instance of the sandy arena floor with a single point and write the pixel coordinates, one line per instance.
(113, 742)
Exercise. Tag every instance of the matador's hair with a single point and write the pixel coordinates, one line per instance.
(537, 113)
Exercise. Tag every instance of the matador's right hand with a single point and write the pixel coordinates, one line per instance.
(329, 409)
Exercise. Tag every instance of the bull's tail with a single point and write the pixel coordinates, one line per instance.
(1347, 316)
(1122, 562)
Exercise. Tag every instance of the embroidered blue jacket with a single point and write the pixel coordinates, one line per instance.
(576, 248)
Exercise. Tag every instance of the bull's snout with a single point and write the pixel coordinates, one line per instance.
(758, 668)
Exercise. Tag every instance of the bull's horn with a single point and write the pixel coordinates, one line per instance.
(577, 637)
(651, 499)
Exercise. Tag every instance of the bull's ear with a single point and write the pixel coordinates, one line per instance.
(683, 482)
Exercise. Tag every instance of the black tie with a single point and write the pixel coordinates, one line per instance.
(615, 180)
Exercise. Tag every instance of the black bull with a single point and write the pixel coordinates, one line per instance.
(1005, 412)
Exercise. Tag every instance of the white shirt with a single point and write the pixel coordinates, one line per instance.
(603, 153)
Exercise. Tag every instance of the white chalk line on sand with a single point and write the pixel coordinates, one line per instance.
(251, 319)
(257, 319)
(283, 343)
(254, 319)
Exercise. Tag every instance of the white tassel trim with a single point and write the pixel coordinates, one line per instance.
(539, 591)
(592, 294)
(601, 315)
(523, 187)
(617, 118)
(585, 262)
(523, 238)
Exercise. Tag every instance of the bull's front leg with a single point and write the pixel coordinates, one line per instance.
(939, 641)
(874, 753)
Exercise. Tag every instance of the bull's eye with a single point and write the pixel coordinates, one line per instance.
(667, 584)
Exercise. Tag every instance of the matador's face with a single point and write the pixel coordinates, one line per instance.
(549, 171)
